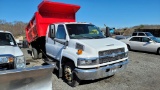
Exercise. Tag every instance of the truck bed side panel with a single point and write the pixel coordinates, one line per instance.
(49, 12)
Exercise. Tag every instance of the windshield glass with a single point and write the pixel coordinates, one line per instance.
(6, 39)
(155, 39)
(149, 34)
(84, 31)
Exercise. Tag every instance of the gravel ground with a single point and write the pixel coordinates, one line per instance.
(142, 73)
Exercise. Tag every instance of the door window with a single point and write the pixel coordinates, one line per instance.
(139, 39)
(145, 39)
(134, 34)
(141, 34)
(61, 34)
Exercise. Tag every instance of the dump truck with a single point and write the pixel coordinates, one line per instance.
(79, 50)
(14, 75)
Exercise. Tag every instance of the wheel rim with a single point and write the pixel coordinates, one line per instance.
(68, 74)
(32, 54)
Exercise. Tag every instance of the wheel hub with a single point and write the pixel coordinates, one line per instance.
(32, 54)
(68, 74)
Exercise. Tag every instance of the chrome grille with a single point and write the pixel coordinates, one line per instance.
(111, 55)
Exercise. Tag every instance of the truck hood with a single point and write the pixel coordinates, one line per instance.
(102, 44)
(13, 50)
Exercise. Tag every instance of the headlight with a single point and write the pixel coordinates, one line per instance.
(126, 54)
(20, 62)
(6, 59)
(83, 61)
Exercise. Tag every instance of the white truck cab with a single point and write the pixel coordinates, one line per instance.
(83, 52)
(11, 56)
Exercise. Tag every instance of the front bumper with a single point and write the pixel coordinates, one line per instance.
(105, 71)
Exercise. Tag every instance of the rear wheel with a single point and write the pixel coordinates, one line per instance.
(34, 53)
(69, 76)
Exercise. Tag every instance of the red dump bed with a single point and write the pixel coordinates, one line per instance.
(49, 12)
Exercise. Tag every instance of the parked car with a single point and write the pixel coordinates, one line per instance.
(119, 37)
(143, 43)
(142, 34)
(158, 38)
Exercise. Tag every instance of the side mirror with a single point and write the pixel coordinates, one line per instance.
(52, 31)
(150, 41)
(107, 32)
(19, 43)
(66, 43)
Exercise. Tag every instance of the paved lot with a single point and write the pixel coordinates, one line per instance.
(142, 73)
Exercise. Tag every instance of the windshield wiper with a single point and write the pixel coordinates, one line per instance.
(97, 37)
(87, 37)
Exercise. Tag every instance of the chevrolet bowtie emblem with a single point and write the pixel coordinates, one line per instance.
(113, 55)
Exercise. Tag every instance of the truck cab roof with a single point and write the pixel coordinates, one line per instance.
(72, 23)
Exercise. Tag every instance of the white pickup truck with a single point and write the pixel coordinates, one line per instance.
(11, 56)
(82, 52)
(14, 75)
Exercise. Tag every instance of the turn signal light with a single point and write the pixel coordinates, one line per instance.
(79, 52)
(10, 59)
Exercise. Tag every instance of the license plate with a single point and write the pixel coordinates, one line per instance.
(3, 60)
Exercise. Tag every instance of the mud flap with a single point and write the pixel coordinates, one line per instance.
(39, 77)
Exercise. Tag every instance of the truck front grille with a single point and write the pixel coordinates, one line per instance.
(111, 55)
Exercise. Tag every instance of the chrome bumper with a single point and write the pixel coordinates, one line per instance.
(92, 74)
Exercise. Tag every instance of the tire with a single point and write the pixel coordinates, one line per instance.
(70, 78)
(158, 51)
(129, 48)
(34, 54)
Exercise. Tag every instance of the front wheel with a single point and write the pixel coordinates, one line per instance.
(69, 76)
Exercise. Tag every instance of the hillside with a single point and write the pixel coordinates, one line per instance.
(130, 30)
(17, 27)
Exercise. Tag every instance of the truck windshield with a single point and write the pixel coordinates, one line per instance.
(155, 39)
(6, 39)
(84, 31)
(149, 34)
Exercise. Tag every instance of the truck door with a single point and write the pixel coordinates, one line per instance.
(60, 41)
(135, 43)
(148, 46)
(57, 44)
(50, 40)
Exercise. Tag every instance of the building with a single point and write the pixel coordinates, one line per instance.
(154, 29)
